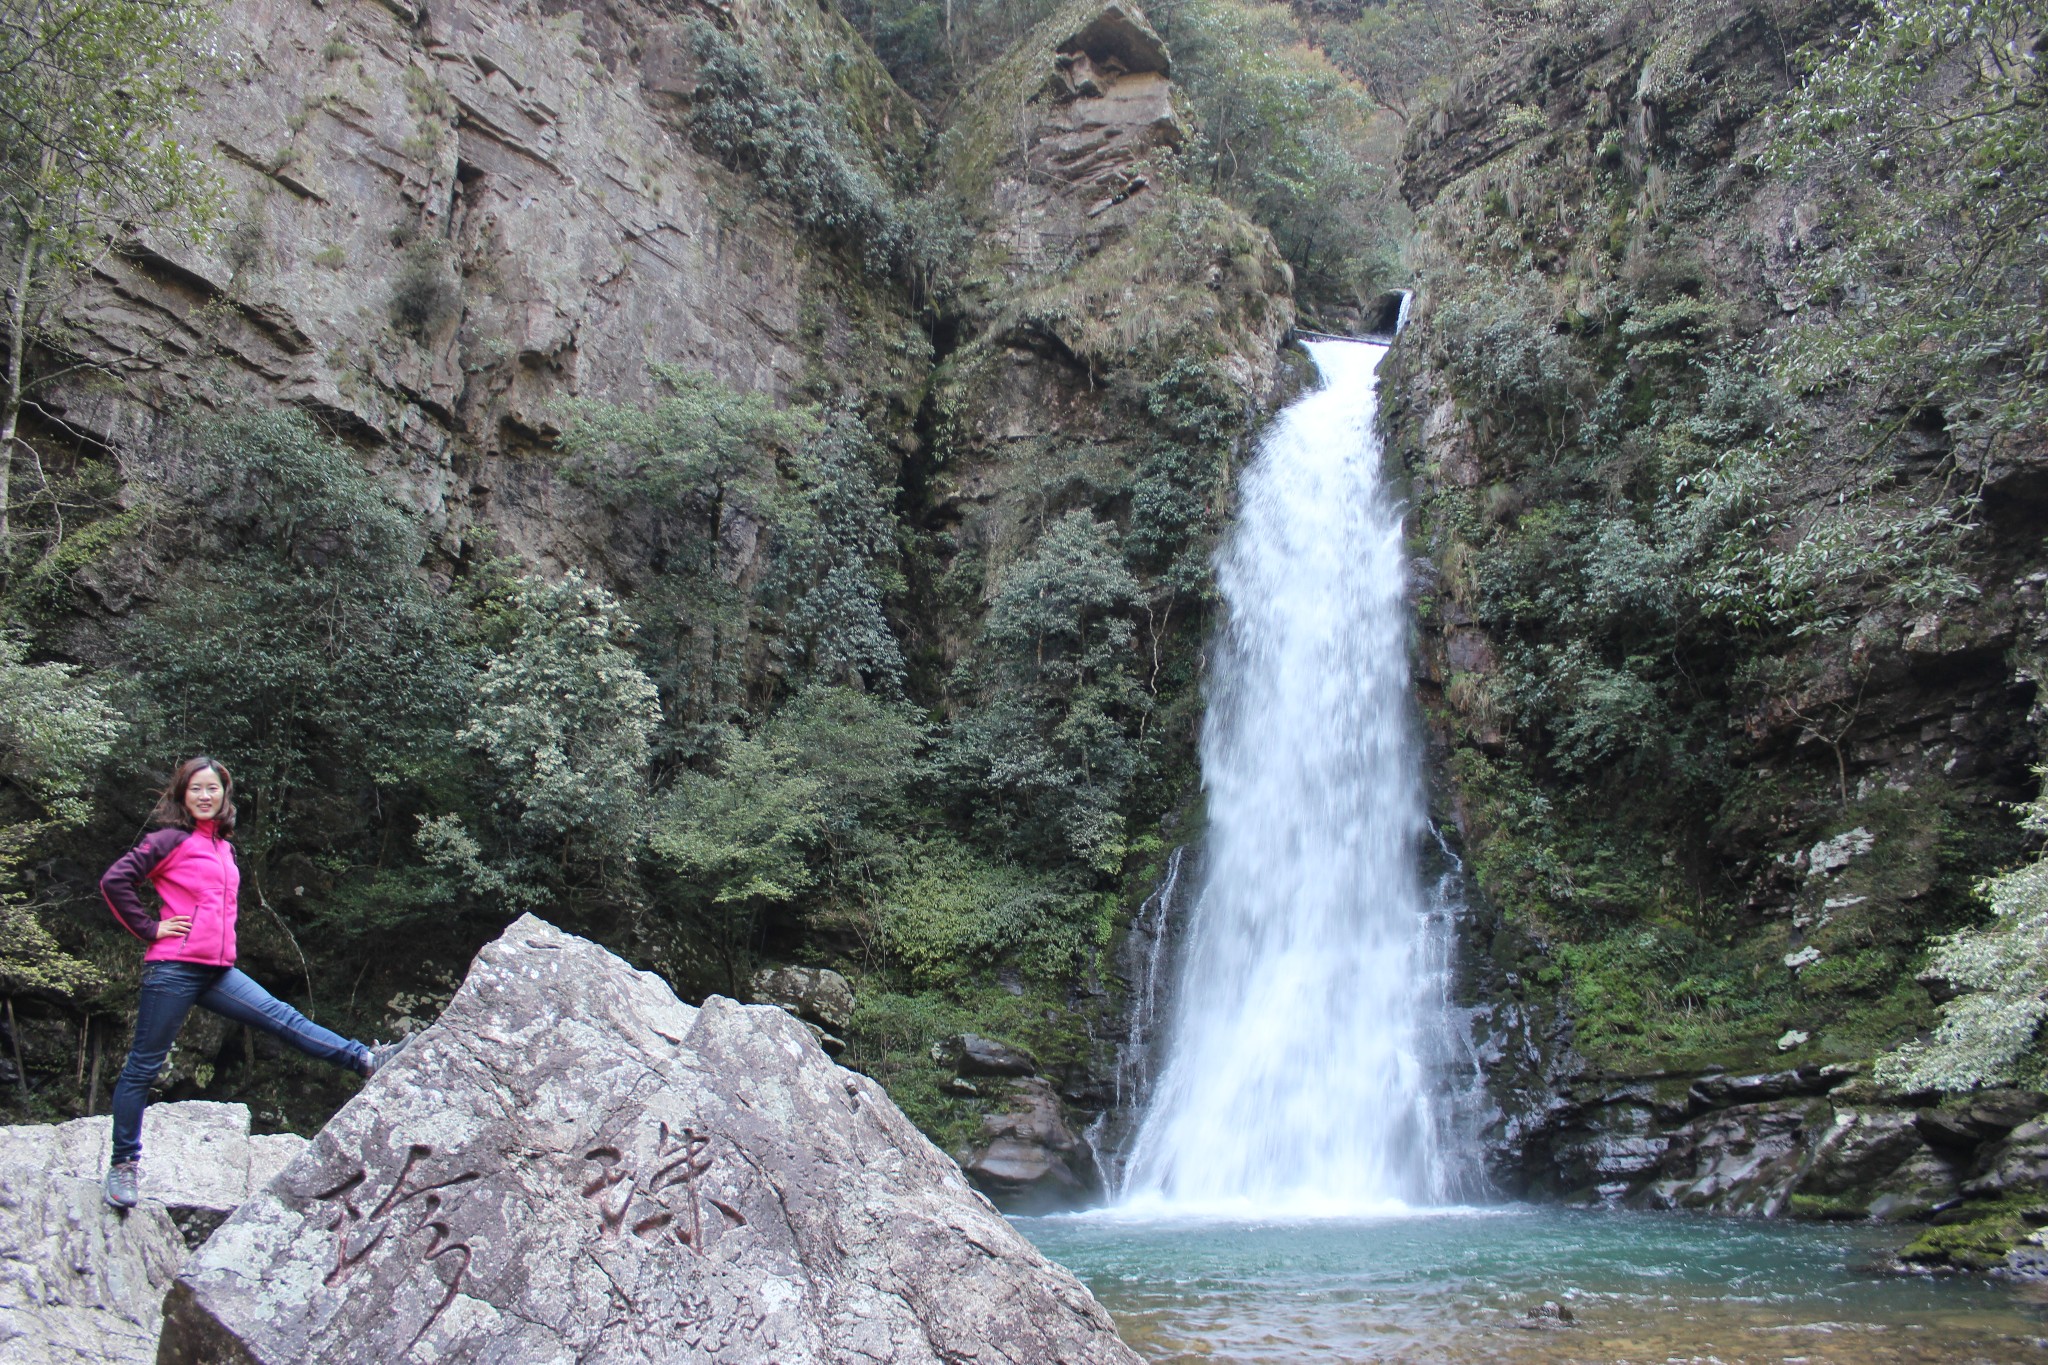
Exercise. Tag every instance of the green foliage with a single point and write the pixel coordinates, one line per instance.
(1401, 52)
(87, 147)
(715, 466)
(1283, 134)
(750, 121)
(57, 731)
(801, 808)
(1988, 1034)
(1049, 756)
(299, 637)
(836, 559)
(1925, 138)
(952, 916)
(90, 89)
(565, 718)
(933, 48)
(700, 445)
(426, 294)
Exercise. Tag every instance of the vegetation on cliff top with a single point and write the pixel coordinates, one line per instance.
(1722, 500)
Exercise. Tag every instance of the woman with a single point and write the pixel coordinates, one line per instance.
(191, 957)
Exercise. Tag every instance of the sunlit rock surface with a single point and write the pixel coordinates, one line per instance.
(573, 1164)
(82, 1283)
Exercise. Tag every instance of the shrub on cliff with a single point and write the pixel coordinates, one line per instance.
(564, 717)
(1988, 1034)
(802, 811)
(746, 118)
(1047, 756)
(57, 731)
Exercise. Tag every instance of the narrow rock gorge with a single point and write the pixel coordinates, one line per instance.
(740, 479)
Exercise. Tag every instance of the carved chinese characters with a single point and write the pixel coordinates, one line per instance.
(411, 1218)
(657, 1199)
(572, 1164)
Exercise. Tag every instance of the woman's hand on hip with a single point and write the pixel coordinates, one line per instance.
(177, 926)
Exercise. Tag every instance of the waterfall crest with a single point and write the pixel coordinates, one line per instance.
(1309, 1026)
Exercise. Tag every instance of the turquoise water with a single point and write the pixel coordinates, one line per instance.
(1462, 1287)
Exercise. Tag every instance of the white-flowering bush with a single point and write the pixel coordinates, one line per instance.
(1987, 1034)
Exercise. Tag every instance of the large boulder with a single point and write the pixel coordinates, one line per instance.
(572, 1164)
(1028, 1158)
(817, 995)
(81, 1283)
(970, 1054)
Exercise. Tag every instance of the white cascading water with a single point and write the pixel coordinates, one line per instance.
(1310, 1030)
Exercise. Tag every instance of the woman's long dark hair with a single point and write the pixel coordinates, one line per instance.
(170, 805)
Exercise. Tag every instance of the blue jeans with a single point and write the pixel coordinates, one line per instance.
(169, 991)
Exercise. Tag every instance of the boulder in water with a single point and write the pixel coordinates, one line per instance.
(1029, 1159)
(572, 1164)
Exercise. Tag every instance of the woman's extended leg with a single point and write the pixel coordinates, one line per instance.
(237, 997)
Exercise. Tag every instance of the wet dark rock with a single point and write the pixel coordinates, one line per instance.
(1719, 1092)
(970, 1054)
(1995, 1113)
(1739, 1160)
(571, 1163)
(1947, 1131)
(2018, 1165)
(1028, 1160)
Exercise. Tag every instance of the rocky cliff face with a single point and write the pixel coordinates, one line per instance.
(1708, 846)
(443, 221)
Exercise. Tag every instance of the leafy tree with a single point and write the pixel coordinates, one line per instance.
(565, 718)
(804, 807)
(300, 643)
(1988, 1034)
(1049, 755)
(1283, 135)
(56, 733)
(837, 560)
(1401, 51)
(88, 89)
(702, 462)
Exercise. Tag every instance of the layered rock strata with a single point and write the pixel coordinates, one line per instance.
(572, 1163)
(444, 221)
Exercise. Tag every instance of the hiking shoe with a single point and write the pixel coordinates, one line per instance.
(120, 1186)
(382, 1053)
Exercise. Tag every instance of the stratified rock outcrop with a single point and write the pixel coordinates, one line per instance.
(573, 1164)
(444, 221)
(81, 1284)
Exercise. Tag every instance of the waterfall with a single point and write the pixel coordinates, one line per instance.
(1306, 1056)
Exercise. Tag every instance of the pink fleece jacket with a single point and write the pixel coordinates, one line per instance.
(195, 874)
